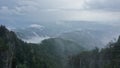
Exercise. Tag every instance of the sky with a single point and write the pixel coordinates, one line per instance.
(19, 12)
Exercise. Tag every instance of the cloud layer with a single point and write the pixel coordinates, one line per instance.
(56, 10)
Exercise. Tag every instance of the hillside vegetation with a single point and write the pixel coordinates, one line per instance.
(54, 53)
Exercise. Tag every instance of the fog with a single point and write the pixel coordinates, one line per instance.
(35, 39)
(59, 33)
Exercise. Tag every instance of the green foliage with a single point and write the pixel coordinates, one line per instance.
(51, 53)
(54, 53)
(22, 66)
(3, 46)
(108, 57)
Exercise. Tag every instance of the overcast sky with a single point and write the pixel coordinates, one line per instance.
(26, 11)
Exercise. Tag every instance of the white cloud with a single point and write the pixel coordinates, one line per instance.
(93, 15)
(11, 28)
(55, 10)
(53, 4)
(35, 39)
(7, 11)
(4, 10)
(70, 4)
(36, 26)
(111, 5)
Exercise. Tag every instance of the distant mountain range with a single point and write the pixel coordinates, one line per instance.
(71, 30)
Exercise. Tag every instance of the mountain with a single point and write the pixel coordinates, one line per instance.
(58, 50)
(50, 53)
(108, 57)
(9, 44)
(32, 35)
(66, 47)
(68, 50)
(103, 32)
(84, 38)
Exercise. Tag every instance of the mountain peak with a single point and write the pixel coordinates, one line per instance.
(3, 30)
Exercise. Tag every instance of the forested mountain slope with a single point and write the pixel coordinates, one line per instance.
(108, 57)
(51, 53)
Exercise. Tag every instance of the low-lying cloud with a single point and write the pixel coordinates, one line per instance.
(35, 39)
(36, 26)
